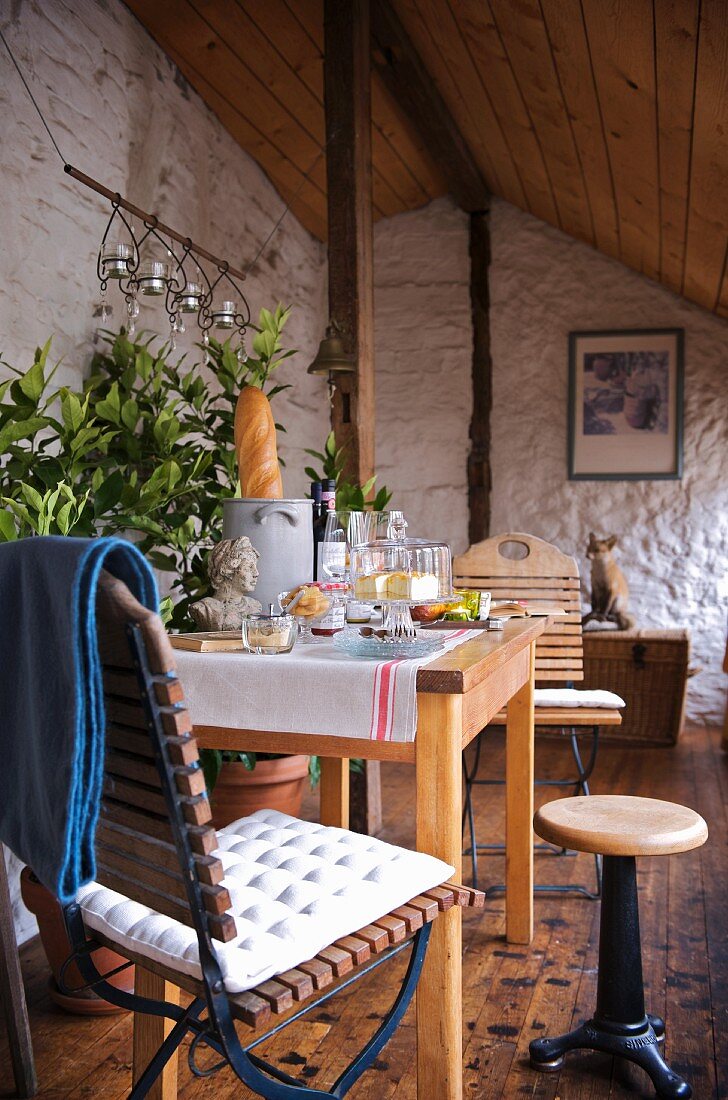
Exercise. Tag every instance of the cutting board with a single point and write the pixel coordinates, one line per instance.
(209, 641)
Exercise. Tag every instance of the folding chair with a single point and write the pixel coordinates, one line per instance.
(541, 575)
(234, 918)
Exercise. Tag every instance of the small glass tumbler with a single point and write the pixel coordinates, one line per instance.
(267, 634)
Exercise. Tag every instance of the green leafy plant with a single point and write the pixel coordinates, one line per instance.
(146, 448)
(349, 495)
(213, 760)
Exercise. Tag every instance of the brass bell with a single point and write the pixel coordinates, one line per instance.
(331, 358)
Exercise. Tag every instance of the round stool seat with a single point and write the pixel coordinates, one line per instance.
(620, 825)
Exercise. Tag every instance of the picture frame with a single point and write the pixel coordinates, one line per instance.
(626, 404)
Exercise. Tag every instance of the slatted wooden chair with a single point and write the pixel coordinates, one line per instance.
(523, 567)
(165, 894)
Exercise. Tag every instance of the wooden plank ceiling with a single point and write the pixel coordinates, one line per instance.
(605, 118)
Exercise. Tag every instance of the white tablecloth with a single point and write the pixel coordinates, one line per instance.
(314, 689)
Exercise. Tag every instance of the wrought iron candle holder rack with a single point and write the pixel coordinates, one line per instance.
(203, 294)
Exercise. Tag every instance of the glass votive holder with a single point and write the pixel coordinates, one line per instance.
(115, 260)
(152, 277)
(189, 299)
(224, 315)
(266, 634)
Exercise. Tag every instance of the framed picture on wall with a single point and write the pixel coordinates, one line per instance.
(625, 404)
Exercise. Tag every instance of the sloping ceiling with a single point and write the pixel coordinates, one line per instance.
(605, 118)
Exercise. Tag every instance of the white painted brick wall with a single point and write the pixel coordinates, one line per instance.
(122, 113)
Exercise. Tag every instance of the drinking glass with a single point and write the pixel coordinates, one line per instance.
(346, 528)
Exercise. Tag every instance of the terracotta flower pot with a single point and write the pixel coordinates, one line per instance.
(57, 947)
(272, 785)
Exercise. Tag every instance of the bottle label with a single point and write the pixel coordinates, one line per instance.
(333, 620)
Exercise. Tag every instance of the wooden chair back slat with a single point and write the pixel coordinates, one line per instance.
(136, 851)
(543, 576)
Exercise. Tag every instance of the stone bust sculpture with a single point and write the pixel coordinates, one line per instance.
(232, 567)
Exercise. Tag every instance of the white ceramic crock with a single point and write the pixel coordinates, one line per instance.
(281, 531)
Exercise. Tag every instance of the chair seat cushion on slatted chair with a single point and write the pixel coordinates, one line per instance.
(295, 887)
(574, 697)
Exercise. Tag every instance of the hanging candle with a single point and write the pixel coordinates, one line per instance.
(206, 345)
(115, 260)
(189, 299)
(224, 315)
(152, 277)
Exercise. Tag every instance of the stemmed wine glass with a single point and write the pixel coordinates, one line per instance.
(347, 528)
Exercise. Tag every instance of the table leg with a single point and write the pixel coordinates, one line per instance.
(519, 811)
(334, 792)
(151, 1031)
(439, 993)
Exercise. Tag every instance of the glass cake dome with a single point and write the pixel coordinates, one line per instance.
(401, 570)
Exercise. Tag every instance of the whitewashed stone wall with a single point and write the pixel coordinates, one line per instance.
(122, 113)
(423, 342)
(543, 284)
(673, 534)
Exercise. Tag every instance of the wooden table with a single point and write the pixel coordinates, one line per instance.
(457, 695)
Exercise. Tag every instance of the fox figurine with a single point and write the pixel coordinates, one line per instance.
(609, 588)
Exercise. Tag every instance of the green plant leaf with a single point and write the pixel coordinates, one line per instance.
(72, 411)
(211, 760)
(108, 494)
(8, 532)
(32, 496)
(33, 381)
(14, 431)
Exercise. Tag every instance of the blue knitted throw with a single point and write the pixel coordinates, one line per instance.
(52, 731)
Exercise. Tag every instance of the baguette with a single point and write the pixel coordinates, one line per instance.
(255, 446)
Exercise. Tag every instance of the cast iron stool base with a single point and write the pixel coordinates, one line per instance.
(620, 1025)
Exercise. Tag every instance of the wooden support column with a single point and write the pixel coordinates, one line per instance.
(479, 471)
(349, 185)
(347, 99)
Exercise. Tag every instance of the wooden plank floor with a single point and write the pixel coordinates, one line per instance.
(511, 994)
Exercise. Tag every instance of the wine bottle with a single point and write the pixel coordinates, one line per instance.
(319, 523)
(328, 504)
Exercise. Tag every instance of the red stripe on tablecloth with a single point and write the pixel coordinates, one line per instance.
(382, 716)
(384, 693)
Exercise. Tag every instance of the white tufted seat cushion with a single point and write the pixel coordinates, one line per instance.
(574, 697)
(295, 887)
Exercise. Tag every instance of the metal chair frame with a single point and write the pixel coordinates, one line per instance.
(216, 1029)
(580, 785)
(546, 575)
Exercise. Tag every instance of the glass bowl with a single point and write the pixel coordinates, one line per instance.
(269, 633)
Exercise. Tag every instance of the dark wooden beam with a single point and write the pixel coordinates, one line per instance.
(479, 471)
(402, 70)
(347, 98)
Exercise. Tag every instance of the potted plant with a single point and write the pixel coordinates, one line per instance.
(242, 782)
(47, 911)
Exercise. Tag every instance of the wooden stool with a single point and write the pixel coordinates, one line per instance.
(619, 827)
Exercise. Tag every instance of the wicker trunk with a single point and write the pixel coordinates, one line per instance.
(649, 669)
